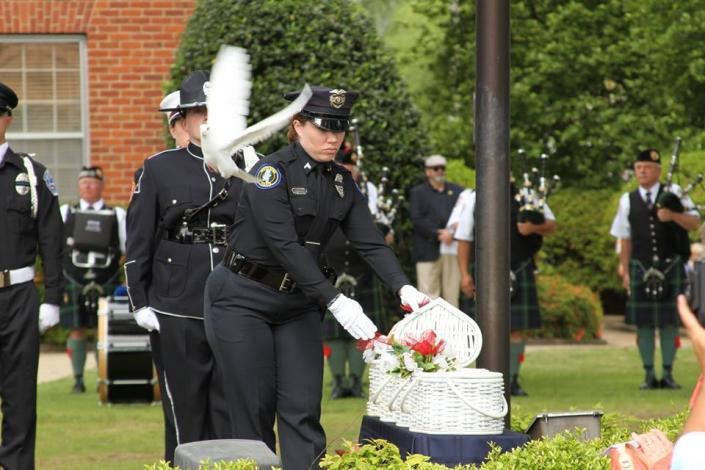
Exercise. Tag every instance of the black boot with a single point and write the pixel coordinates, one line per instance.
(338, 389)
(515, 389)
(650, 382)
(78, 386)
(356, 387)
(667, 380)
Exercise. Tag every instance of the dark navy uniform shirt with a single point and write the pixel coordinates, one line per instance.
(275, 214)
(20, 233)
(429, 210)
(166, 275)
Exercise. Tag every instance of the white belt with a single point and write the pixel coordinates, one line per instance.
(10, 277)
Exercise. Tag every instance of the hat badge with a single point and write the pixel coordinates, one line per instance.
(653, 155)
(206, 88)
(337, 98)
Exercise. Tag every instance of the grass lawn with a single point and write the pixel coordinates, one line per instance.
(75, 433)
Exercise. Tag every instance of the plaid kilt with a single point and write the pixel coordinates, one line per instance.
(524, 308)
(369, 293)
(73, 313)
(642, 311)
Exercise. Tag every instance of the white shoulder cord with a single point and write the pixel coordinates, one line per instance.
(32, 184)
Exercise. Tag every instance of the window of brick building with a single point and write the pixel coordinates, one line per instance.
(48, 73)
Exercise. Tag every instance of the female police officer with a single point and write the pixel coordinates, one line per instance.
(264, 302)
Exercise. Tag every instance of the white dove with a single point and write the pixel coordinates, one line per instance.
(228, 102)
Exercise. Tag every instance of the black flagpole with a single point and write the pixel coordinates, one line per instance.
(492, 212)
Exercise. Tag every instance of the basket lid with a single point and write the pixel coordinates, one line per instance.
(461, 333)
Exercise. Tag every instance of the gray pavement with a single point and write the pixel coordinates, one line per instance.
(54, 365)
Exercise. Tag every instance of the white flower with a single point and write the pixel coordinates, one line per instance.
(441, 362)
(368, 355)
(409, 362)
(388, 362)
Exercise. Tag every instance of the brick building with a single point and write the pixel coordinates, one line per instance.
(89, 74)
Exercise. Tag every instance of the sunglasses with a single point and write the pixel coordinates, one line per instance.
(437, 168)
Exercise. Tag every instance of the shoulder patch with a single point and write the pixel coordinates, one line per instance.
(51, 184)
(268, 177)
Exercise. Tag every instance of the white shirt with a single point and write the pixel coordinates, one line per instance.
(466, 224)
(98, 205)
(620, 224)
(454, 219)
(3, 151)
(688, 452)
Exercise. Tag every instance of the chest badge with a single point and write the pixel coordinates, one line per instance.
(268, 177)
(22, 184)
(341, 191)
(339, 178)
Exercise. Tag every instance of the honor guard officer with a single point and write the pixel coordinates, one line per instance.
(177, 225)
(525, 241)
(264, 304)
(92, 270)
(30, 222)
(653, 248)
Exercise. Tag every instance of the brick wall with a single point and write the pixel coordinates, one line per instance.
(131, 46)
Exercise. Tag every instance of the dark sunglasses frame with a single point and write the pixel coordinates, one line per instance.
(436, 168)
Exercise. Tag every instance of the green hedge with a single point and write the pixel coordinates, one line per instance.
(568, 311)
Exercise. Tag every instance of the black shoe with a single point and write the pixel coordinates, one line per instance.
(649, 383)
(515, 389)
(356, 387)
(337, 390)
(78, 387)
(668, 382)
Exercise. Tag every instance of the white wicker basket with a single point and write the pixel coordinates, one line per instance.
(466, 401)
(461, 333)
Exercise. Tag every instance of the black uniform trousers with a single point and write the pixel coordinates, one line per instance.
(19, 360)
(169, 428)
(193, 386)
(271, 345)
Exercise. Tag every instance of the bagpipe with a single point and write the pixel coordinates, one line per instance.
(534, 191)
(384, 203)
(669, 199)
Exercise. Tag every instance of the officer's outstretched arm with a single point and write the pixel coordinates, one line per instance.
(50, 237)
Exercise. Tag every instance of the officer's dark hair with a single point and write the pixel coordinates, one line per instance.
(5, 112)
(291, 132)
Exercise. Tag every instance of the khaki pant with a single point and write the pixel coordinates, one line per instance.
(440, 278)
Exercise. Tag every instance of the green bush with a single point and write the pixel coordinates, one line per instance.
(331, 43)
(568, 311)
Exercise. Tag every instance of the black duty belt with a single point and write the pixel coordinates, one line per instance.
(272, 277)
(216, 234)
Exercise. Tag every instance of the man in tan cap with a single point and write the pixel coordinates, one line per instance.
(435, 251)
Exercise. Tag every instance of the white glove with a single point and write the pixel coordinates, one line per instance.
(412, 299)
(147, 319)
(350, 315)
(48, 316)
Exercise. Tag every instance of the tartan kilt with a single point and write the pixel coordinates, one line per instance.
(369, 293)
(73, 314)
(642, 311)
(524, 307)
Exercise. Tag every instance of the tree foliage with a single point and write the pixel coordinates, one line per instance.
(592, 81)
(331, 43)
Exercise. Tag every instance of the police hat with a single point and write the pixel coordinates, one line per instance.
(328, 108)
(91, 172)
(171, 101)
(192, 92)
(649, 155)
(8, 98)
